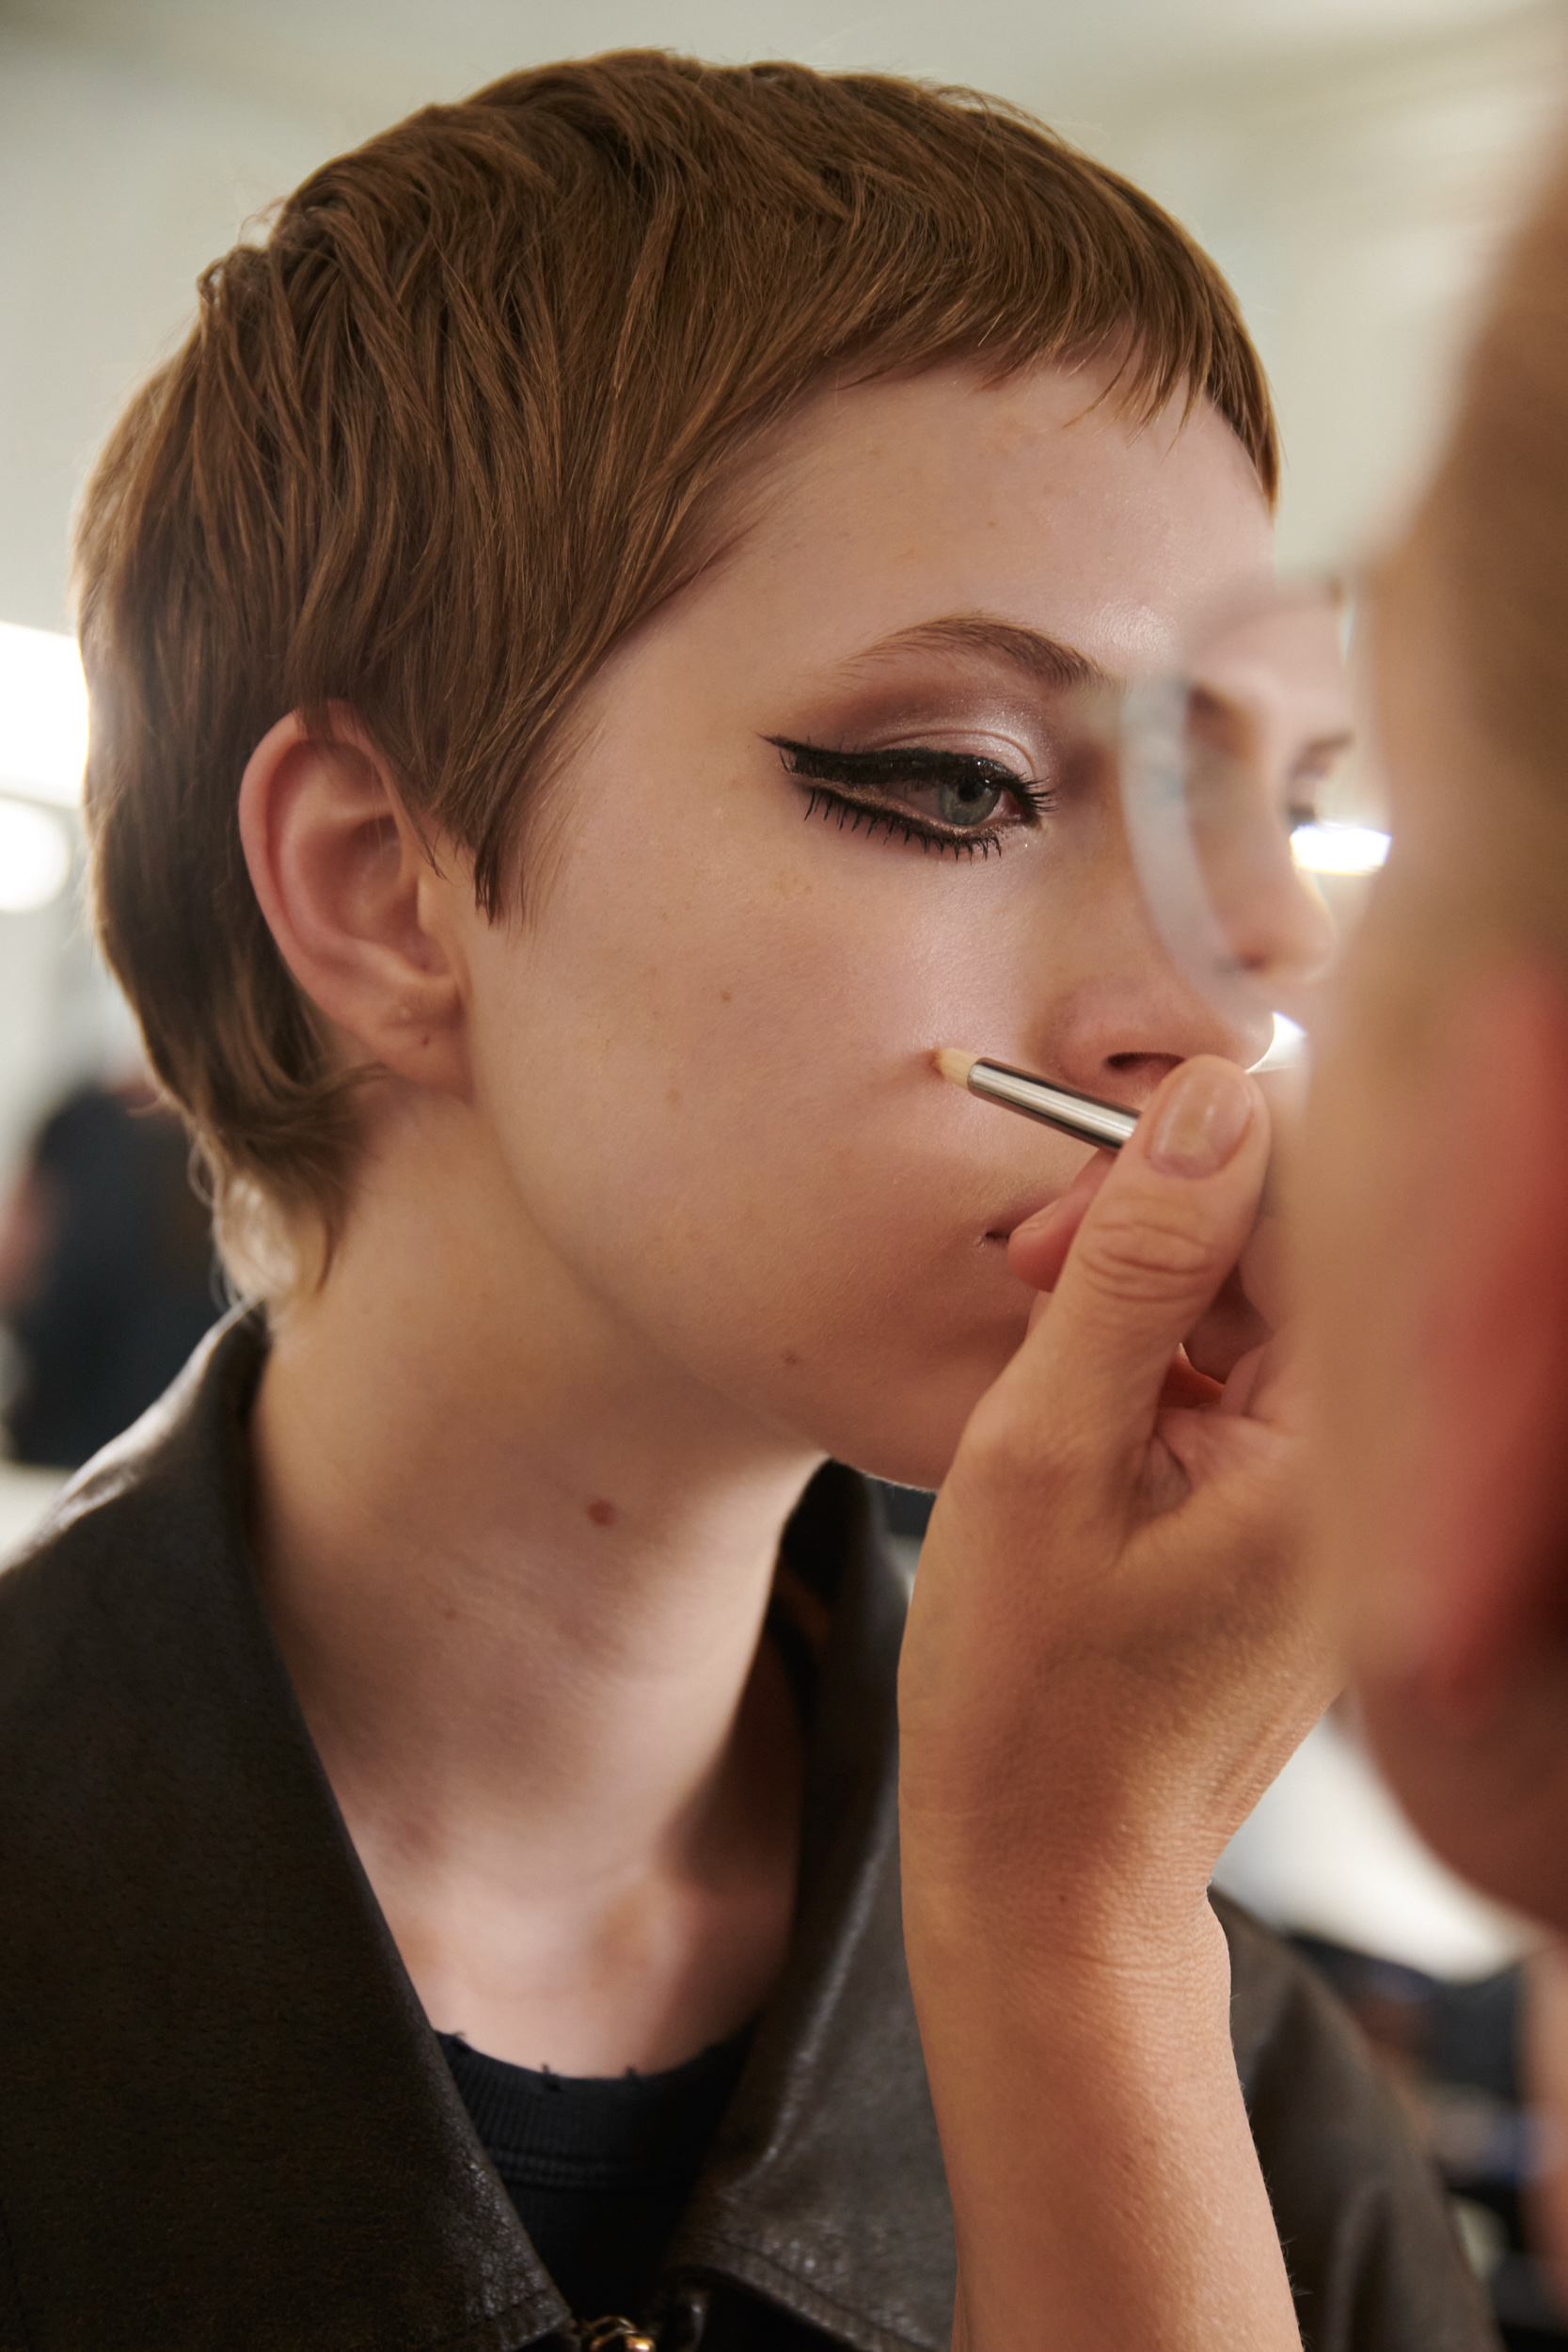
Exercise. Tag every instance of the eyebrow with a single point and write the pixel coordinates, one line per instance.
(1041, 659)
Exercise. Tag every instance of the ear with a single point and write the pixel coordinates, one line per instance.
(360, 912)
(1488, 1528)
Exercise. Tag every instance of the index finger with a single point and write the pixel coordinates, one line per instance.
(1155, 1245)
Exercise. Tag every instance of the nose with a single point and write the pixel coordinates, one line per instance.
(1125, 1015)
(1272, 921)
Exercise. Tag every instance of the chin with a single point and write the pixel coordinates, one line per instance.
(905, 1429)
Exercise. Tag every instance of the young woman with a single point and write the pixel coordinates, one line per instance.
(585, 641)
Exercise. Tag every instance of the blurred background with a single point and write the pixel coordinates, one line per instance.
(1351, 163)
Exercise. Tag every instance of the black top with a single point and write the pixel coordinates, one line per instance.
(225, 2120)
(599, 2167)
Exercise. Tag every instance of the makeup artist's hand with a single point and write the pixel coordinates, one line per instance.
(1251, 1303)
(1110, 1653)
(1108, 1601)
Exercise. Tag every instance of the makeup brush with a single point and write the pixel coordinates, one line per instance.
(1104, 1124)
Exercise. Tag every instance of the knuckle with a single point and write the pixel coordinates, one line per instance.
(997, 1446)
(1011, 1454)
(1142, 1247)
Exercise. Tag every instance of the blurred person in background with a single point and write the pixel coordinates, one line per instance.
(578, 640)
(106, 1272)
(1436, 1188)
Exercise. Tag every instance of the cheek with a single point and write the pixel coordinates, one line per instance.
(758, 988)
(714, 1099)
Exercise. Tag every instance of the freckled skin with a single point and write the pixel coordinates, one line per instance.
(824, 1198)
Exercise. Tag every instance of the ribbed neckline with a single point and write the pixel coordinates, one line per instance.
(597, 2131)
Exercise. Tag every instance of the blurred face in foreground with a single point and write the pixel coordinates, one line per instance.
(1435, 1206)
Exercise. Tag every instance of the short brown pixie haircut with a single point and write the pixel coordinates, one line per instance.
(464, 419)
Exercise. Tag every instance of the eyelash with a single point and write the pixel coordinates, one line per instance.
(813, 765)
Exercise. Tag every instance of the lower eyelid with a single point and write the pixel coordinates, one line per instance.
(821, 800)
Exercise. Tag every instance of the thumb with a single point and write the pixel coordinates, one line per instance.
(1156, 1243)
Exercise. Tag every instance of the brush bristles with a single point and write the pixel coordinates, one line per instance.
(954, 1066)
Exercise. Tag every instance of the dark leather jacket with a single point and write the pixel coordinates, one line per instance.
(225, 2122)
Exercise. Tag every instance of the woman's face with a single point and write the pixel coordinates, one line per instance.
(705, 1052)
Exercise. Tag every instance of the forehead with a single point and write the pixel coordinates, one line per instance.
(885, 504)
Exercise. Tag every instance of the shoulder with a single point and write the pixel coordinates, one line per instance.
(1361, 2213)
(195, 1983)
(139, 1550)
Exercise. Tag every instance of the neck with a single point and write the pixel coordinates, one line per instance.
(518, 1560)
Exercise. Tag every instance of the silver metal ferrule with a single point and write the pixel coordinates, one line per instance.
(1103, 1124)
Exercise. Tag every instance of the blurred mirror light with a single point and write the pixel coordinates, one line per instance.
(43, 714)
(34, 856)
(1287, 1049)
(1339, 849)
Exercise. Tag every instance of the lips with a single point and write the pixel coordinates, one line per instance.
(1002, 1228)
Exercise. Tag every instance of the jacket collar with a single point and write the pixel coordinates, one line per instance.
(226, 2118)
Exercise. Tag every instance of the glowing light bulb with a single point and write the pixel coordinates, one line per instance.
(1339, 849)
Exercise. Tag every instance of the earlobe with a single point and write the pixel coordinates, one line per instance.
(354, 899)
(1489, 1528)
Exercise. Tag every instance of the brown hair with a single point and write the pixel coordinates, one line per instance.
(461, 422)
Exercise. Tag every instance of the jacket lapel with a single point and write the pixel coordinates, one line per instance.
(226, 2120)
(826, 2190)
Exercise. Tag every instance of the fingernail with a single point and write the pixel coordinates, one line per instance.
(1202, 1120)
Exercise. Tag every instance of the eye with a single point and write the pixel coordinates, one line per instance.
(967, 802)
(944, 800)
(1311, 773)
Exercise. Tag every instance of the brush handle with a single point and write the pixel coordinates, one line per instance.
(1084, 1117)
(1106, 1125)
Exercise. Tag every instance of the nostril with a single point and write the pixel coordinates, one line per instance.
(1147, 1067)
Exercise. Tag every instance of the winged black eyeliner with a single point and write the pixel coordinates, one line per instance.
(911, 764)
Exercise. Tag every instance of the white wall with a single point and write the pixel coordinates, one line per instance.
(118, 182)
(1354, 201)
